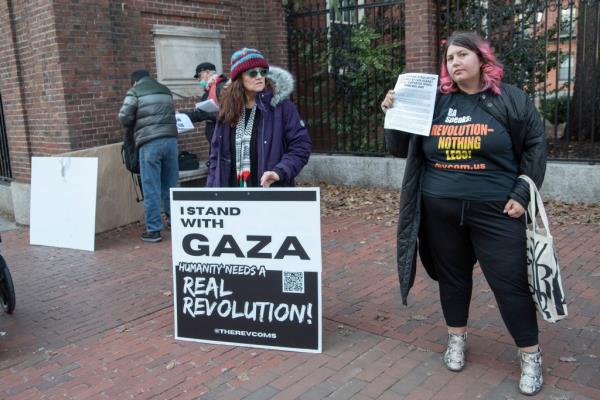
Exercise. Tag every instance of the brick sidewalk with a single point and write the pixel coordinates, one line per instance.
(100, 326)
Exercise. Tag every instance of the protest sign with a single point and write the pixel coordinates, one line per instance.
(247, 267)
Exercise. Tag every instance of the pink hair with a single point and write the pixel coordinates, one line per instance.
(492, 70)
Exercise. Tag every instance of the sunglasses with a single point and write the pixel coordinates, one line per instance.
(253, 73)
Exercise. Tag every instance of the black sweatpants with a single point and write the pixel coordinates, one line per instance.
(459, 232)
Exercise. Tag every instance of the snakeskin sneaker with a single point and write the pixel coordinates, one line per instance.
(454, 357)
(531, 372)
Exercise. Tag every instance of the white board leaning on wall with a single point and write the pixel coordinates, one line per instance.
(63, 202)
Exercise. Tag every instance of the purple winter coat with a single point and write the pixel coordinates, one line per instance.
(283, 144)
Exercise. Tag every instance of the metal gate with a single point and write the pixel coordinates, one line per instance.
(345, 54)
(549, 48)
(5, 170)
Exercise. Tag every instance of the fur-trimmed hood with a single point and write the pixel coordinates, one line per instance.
(283, 82)
(282, 141)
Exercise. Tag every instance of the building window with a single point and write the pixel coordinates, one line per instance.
(568, 22)
(566, 71)
(539, 16)
(348, 12)
(342, 17)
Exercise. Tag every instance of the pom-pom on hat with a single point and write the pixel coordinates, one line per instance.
(245, 59)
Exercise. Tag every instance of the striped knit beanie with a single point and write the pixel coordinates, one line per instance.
(245, 59)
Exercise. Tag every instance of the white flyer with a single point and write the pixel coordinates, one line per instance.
(414, 102)
(208, 105)
(184, 123)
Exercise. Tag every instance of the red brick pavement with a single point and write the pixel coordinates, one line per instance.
(100, 326)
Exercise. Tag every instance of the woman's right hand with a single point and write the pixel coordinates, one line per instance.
(268, 178)
(388, 101)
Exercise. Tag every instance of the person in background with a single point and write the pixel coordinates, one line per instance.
(462, 200)
(212, 84)
(148, 108)
(259, 139)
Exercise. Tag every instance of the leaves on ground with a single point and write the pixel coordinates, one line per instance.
(121, 329)
(568, 359)
(171, 364)
(243, 377)
(572, 213)
(381, 317)
(381, 205)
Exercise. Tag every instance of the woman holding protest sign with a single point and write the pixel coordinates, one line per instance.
(462, 200)
(259, 138)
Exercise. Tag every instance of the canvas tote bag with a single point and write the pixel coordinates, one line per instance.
(543, 271)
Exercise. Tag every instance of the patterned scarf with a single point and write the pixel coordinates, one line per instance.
(243, 134)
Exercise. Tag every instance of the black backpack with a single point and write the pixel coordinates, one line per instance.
(129, 153)
(131, 160)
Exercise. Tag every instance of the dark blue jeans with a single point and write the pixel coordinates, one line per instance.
(159, 169)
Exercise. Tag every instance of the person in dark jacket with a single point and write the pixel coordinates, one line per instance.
(212, 84)
(462, 200)
(259, 138)
(148, 108)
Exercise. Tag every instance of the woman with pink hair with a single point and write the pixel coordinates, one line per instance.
(462, 200)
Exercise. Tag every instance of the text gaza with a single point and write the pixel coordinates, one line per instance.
(193, 244)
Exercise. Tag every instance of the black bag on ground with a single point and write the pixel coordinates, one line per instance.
(188, 161)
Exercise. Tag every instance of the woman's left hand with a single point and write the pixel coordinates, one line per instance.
(514, 209)
(268, 178)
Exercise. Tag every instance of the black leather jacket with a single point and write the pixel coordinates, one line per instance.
(516, 111)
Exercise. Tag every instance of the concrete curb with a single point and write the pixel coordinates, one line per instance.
(566, 182)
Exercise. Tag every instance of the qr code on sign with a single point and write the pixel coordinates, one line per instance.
(293, 282)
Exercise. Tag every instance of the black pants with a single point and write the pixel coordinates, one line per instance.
(460, 232)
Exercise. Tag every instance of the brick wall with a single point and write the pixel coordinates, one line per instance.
(65, 67)
(420, 26)
(31, 83)
(272, 33)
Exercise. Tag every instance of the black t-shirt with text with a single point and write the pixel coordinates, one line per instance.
(469, 153)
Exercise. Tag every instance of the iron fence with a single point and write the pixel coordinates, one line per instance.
(345, 55)
(550, 49)
(5, 169)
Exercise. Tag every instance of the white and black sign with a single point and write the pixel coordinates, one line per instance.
(247, 266)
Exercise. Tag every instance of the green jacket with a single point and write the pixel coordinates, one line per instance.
(149, 108)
